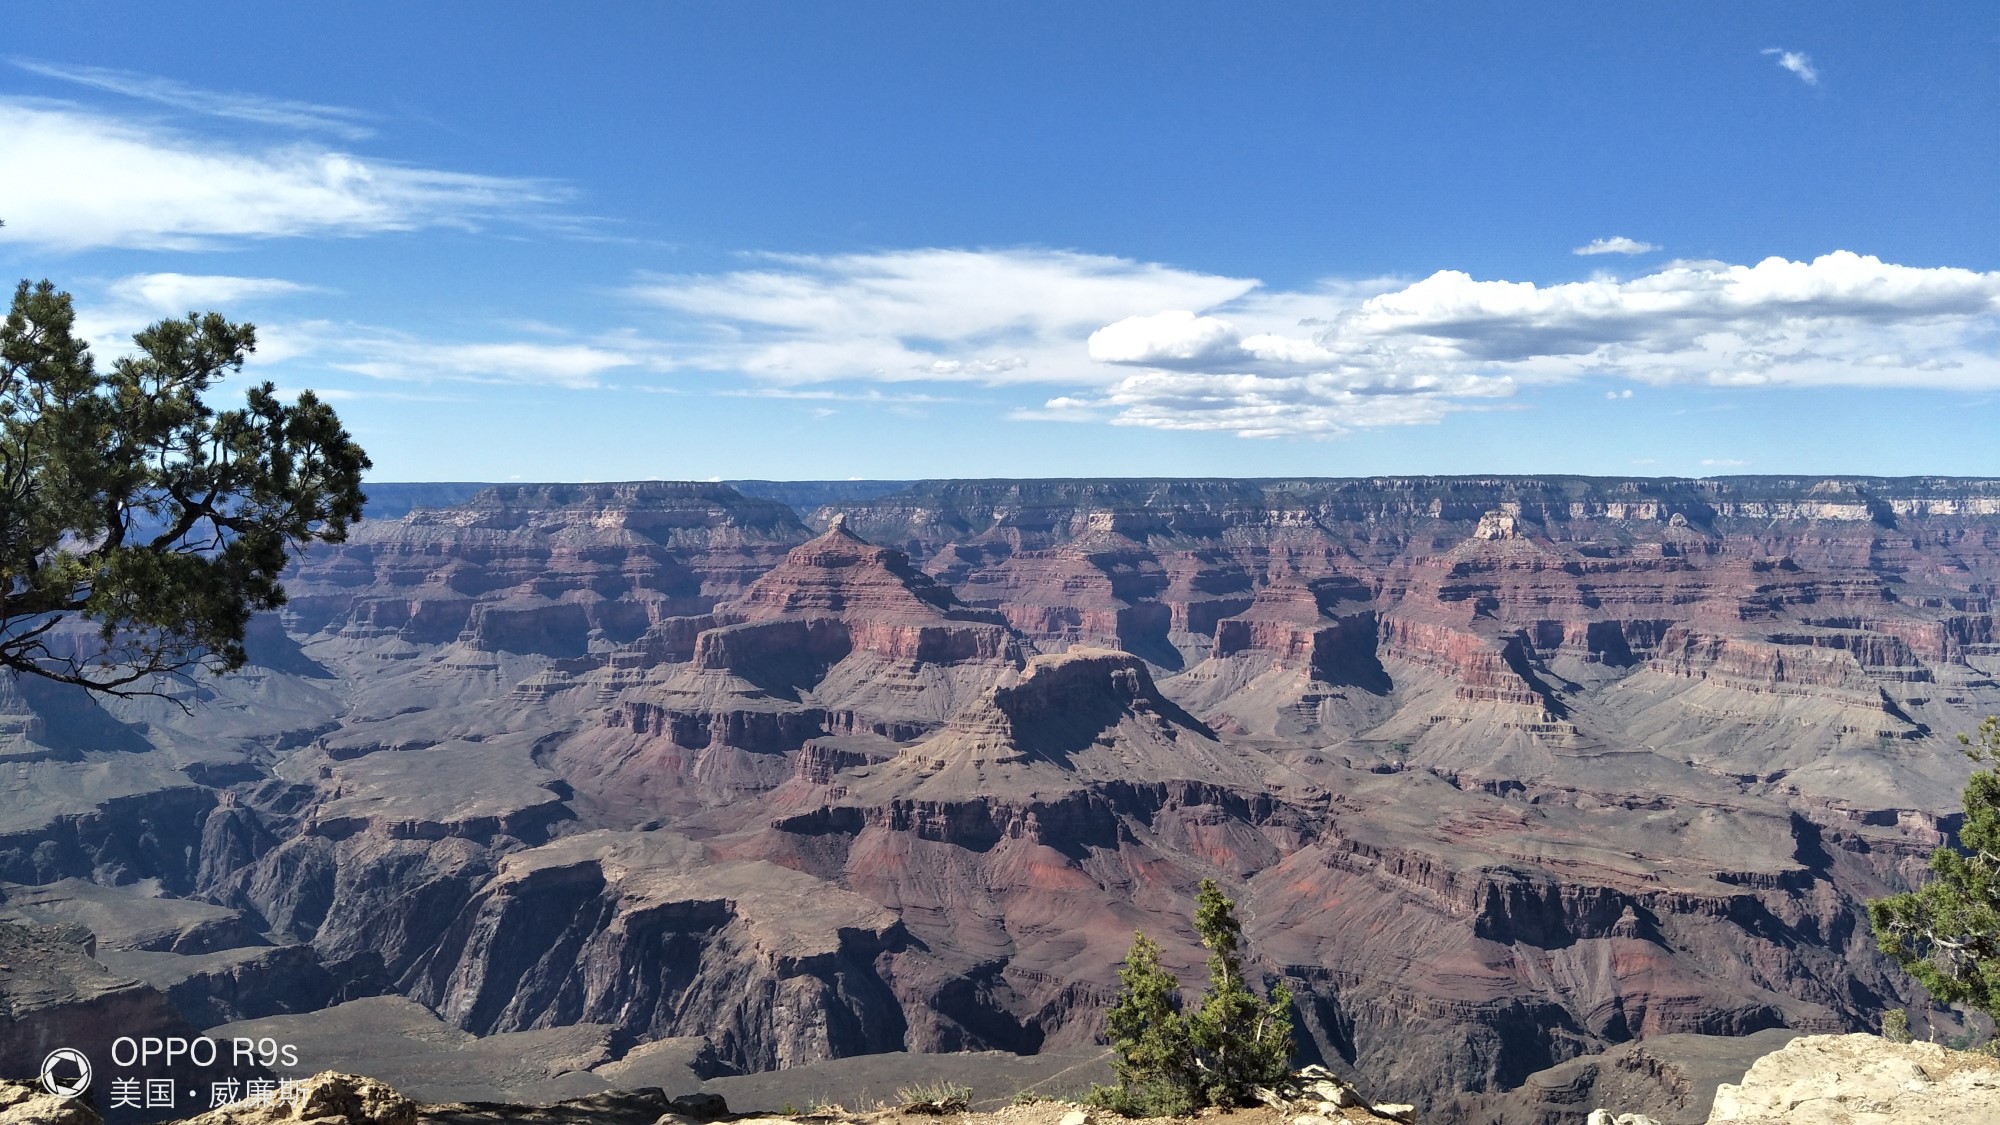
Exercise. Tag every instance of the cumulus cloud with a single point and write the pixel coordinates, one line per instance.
(1449, 342)
(1798, 62)
(1617, 244)
(1173, 338)
(995, 316)
(1139, 344)
(104, 182)
(252, 108)
(1763, 321)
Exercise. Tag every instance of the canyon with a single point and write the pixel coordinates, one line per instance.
(658, 782)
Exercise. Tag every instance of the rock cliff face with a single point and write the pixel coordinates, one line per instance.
(643, 932)
(53, 994)
(1502, 772)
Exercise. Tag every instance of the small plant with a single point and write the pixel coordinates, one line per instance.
(1173, 1062)
(1028, 1097)
(1896, 1025)
(935, 1098)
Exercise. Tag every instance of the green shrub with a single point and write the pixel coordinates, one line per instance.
(1173, 1062)
(935, 1097)
(1896, 1025)
(1946, 933)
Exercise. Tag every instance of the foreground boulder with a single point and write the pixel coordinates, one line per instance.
(329, 1099)
(24, 1103)
(1862, 1080)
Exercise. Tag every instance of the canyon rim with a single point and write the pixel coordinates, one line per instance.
(655, 783)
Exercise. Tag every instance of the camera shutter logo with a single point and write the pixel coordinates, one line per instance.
(65, 1072)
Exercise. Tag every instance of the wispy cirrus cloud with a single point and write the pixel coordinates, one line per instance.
(174, 293)
(294, 348)
(349, 124)
(1798, 62)
(986, 316)
(1618, 244)
(574, 366)
(108, 315)
(103, 181)
(870, 396)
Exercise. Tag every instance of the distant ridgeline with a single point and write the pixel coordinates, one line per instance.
(1544, 498)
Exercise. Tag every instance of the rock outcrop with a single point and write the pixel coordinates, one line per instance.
(331, 1098)
(23, 1103)
(1861, 1080)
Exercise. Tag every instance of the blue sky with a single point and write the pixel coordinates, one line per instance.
(898, 240)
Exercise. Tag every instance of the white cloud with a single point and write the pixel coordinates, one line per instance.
(1450, 342)
(1723, 463)
(870, 396)
(1139, 344)
(1617, 395)
(301, 351)
(1311, 405)
(1617, 244)
(998, 316)
(104, 182)
(253, 108)
(1167, 339)
(108, 316)
(577, 366)
(1798, 62)
(172, 294)
(1698, 319)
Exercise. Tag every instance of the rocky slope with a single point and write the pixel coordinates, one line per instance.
(1502, 772)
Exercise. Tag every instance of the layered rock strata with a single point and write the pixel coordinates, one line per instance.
(1502, 772)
